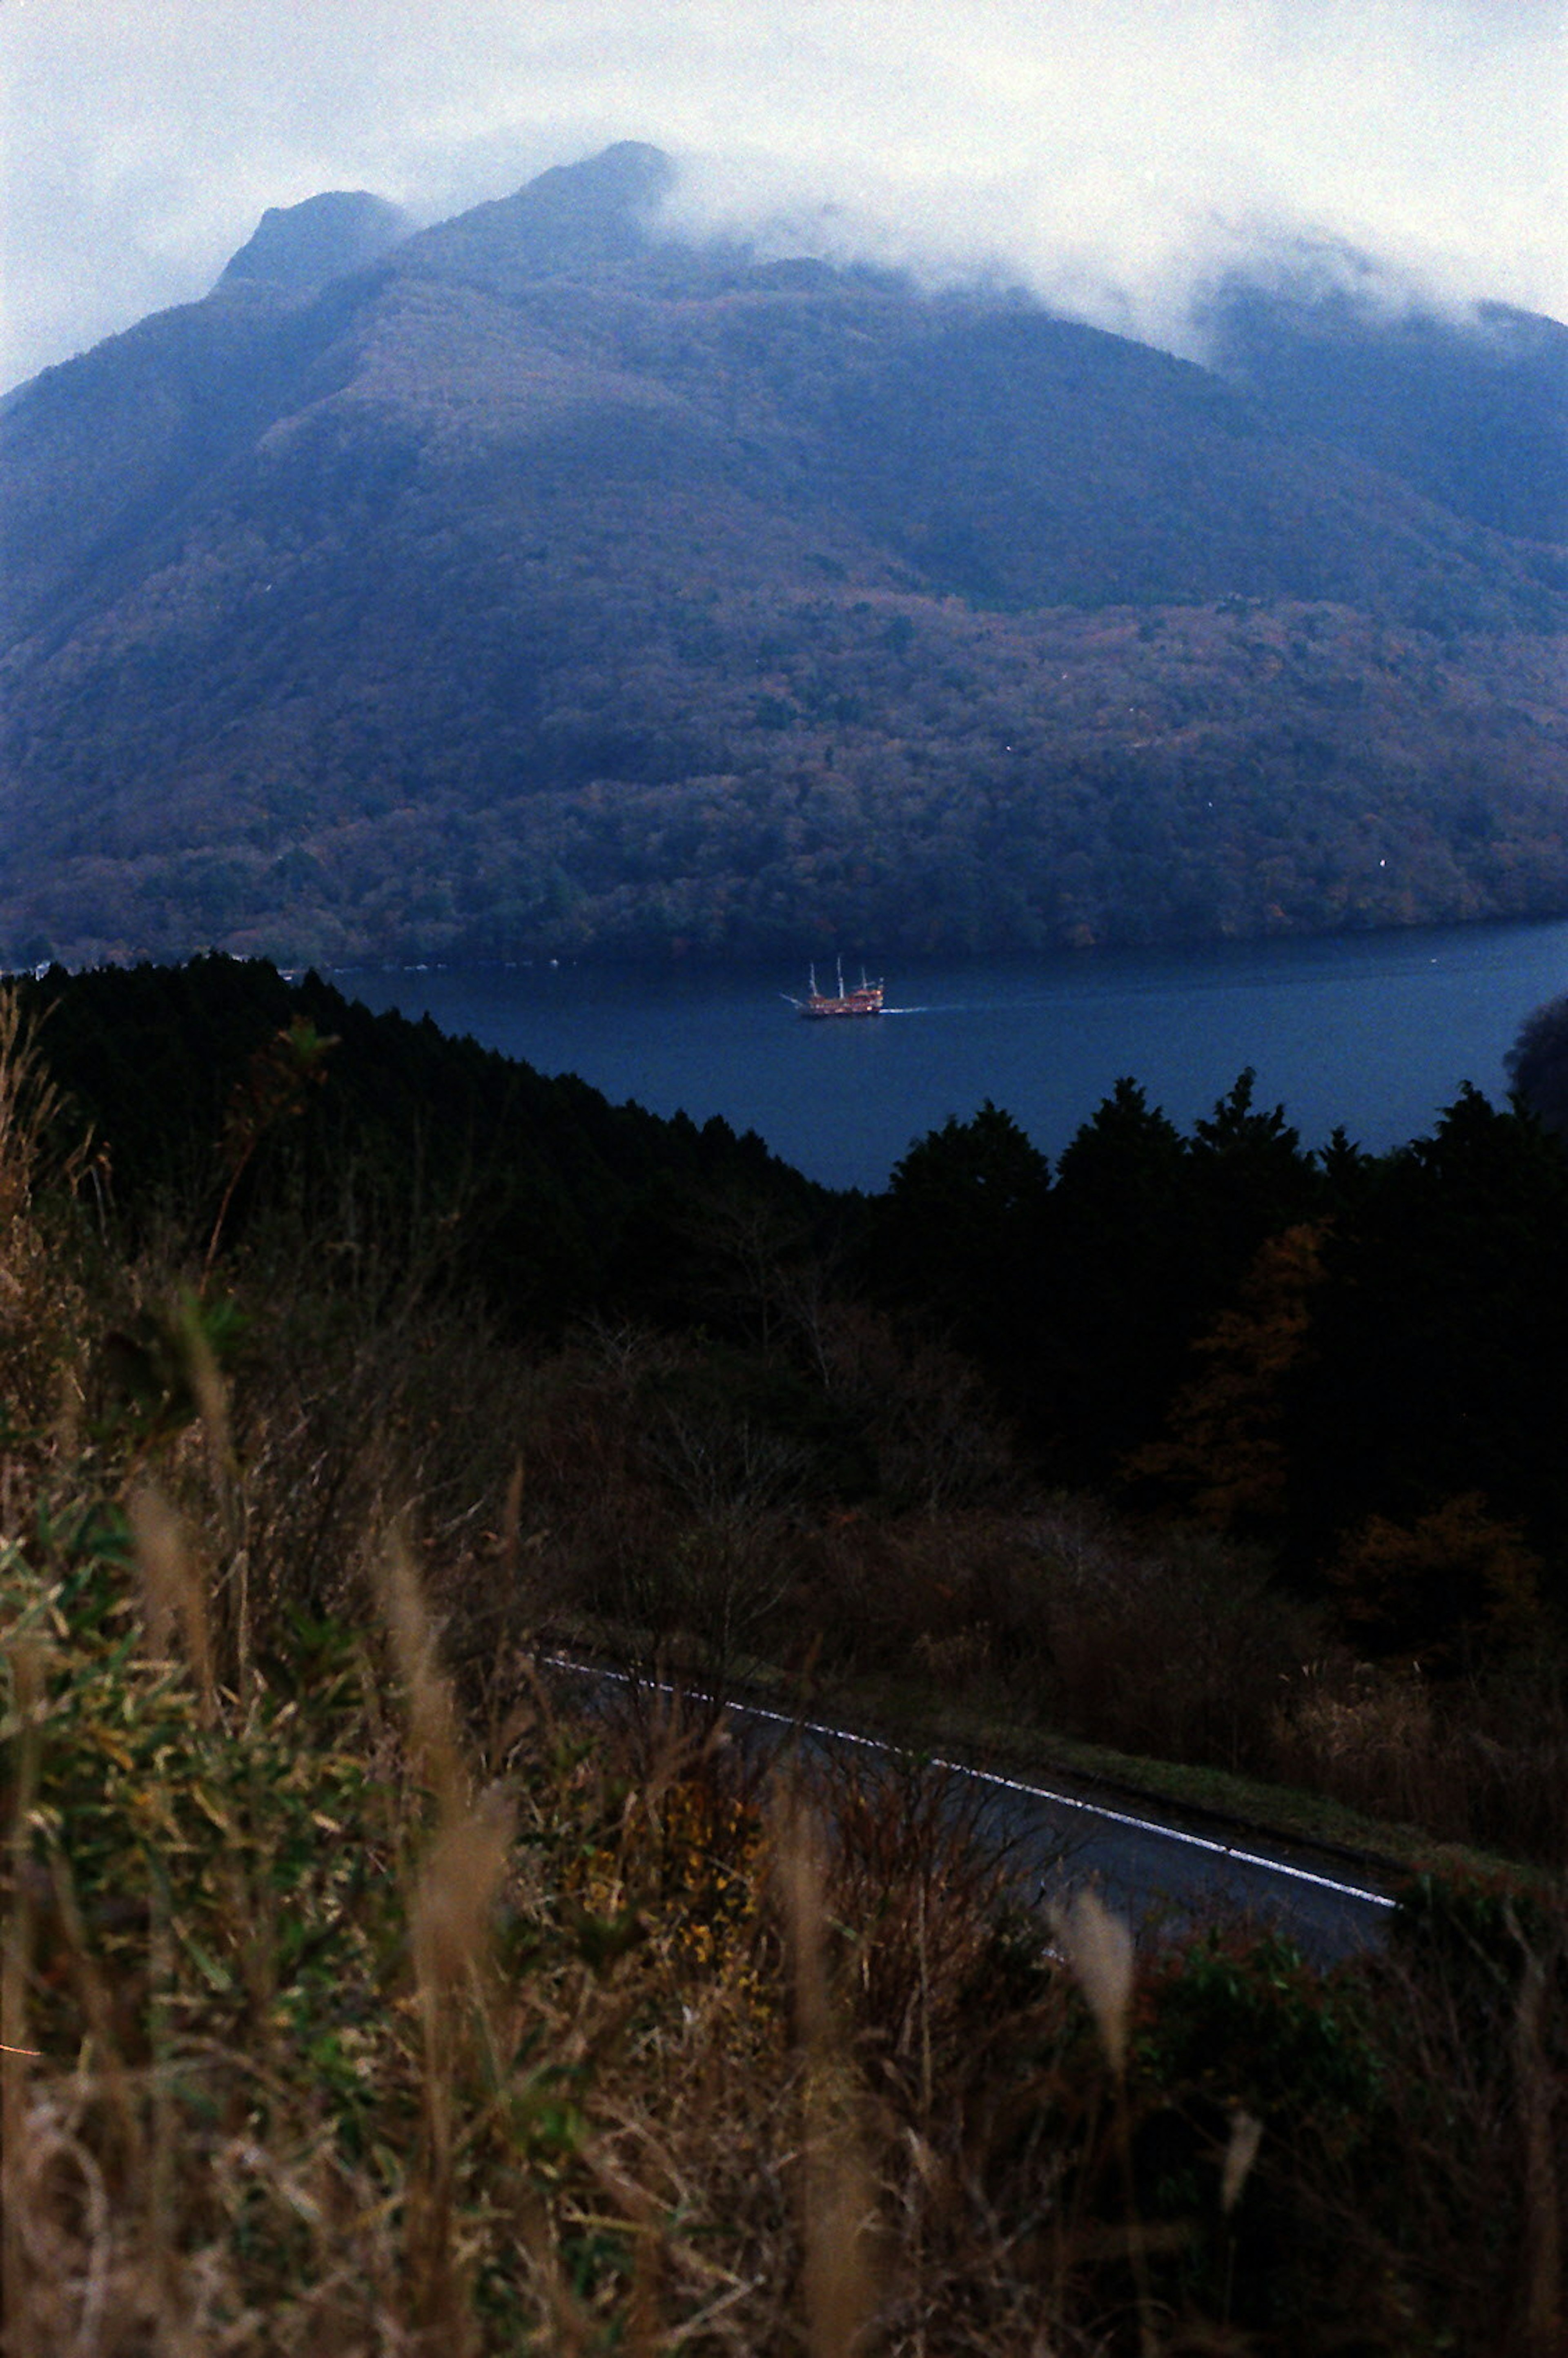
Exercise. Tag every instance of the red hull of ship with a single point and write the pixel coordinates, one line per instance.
(868, 1002)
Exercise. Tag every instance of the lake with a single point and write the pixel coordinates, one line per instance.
(1375, 1032)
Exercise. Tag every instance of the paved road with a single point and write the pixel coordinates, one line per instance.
(1155, 1869)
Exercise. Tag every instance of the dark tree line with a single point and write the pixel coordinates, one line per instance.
(1334, 1353)
(1538, 1065)
(1359, 1362)
(534, 1194)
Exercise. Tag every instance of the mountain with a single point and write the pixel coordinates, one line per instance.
(541, 583)
(299, 248)
(1471, 409)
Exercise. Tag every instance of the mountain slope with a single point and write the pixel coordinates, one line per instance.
(1472, 410)
(542, 584)
(298, 248)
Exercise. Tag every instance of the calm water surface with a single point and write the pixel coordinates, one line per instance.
(1373, 1030)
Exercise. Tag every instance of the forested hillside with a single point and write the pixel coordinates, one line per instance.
(539, 583)
(1341, 1377)
(363, 1988)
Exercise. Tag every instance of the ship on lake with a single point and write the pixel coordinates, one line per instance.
(862, 998)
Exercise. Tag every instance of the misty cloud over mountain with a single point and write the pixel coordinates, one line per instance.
(1109, 160)
(544, 581)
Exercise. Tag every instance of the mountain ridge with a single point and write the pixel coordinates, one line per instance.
(299, 248)
(545, 583)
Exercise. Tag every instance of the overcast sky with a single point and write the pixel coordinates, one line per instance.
(1111, 151)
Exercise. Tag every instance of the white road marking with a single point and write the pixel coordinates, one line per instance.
(1005, 1784)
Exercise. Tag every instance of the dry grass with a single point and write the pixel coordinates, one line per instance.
(657, 1516)
(40, 1304)
(397, 2054)
(358, 1996)
(1482, 1761)
(355, 2026)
